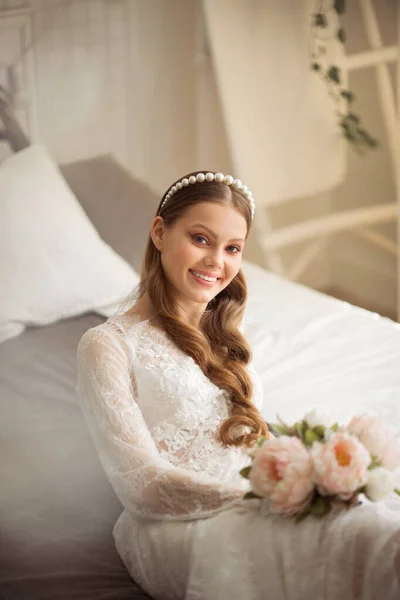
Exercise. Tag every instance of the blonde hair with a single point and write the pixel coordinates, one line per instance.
(218, 347)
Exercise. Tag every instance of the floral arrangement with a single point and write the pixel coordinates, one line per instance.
(316, 465)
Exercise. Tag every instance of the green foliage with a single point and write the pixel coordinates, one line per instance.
(375, 462)
(341, 35)
(349, 123)
(261, 440)
(320, 506)
(320, 20)
(333, 74)
(310, 437)
(279, 429)
(339, 6)
(250, 495)
(320, 431)
(300, 429)
(349, 96)
(245, 472)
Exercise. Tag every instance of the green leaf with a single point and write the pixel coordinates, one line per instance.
(375, 462)
(320, 20)
(349, 96)
(305, 426)
(335, 427)
(353, 117)
(334, 74)
(339, 6)
(279, 429)
(320, 431)
(299, 429)
(261, 440)
(396, 491)
(341, 35)
(310, 437)
(245, 472)
(250, 495)
(320, 507)
(367, 139)
(301, 516)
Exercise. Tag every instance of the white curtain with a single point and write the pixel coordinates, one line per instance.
(282, 131)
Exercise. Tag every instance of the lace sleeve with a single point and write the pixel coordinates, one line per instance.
(146, 484)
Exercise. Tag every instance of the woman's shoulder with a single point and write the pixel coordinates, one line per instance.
(128, 330)
(110, 333)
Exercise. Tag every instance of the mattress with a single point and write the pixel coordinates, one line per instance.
(57, 509)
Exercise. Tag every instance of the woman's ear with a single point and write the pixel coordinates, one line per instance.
(157, 232)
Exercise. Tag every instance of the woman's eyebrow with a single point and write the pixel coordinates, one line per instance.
(214, 235)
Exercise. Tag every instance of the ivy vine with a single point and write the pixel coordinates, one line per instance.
(349, 122)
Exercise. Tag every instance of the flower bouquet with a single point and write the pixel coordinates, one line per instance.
(315, 465)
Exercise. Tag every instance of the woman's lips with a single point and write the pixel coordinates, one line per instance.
(202, 281)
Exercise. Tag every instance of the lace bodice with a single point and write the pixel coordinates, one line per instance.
(153, 416)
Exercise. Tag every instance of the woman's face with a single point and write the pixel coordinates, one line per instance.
(201, 252)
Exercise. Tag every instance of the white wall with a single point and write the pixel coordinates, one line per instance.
(162, 82)
(116, 76)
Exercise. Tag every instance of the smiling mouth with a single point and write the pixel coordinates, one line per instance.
(205, 278)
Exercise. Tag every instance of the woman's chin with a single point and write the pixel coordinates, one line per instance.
(201, 297)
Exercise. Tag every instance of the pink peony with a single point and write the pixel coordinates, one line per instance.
(282, 471)
(377, 439)
(340, 465)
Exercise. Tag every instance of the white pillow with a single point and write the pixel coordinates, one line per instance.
(53, 264)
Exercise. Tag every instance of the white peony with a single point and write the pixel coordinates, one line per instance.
(315, 418)
(379, 484)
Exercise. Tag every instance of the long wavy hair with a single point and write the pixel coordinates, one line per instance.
(217, 346)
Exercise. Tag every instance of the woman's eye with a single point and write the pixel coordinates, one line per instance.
(200, 239)
(233, 249)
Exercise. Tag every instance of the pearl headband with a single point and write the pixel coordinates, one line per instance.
(219, 178)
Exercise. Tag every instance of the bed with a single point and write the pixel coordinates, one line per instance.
(57, 509)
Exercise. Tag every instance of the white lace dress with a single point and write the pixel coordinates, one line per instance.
(185, 531)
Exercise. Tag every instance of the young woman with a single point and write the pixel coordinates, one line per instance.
(172, 404)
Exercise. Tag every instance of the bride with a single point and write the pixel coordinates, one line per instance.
(172, 403)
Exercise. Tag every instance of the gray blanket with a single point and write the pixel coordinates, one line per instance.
(57, 509)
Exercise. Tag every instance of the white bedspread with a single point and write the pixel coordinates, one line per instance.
(312, 350)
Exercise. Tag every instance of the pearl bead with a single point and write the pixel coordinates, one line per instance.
(209, 176)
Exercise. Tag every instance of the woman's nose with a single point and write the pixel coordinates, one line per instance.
(215, 258)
